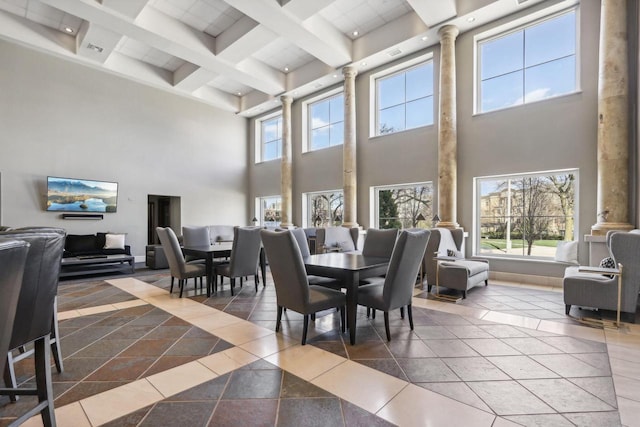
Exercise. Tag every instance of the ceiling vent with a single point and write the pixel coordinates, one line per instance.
(94, 47)
(394, 52)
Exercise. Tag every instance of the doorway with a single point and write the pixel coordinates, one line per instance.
(162, 211)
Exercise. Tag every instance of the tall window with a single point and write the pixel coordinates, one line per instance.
(525, 215)
(528, 64)
(271, 138)
(324, 209)
(270, 211)
(404, 100)
(404, 206)
(326, 122)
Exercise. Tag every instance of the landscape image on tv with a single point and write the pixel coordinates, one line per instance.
(81, 195)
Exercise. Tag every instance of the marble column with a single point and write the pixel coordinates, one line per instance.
(613, 120)
(285, 165)
(349, 179)
(447, 133)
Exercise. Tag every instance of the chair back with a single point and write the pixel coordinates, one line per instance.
(625, 248)
(172, 251)
(195, 236)
(346, 239)
(301, 238)
(380, 243)
(287, 269)
(403, 268)
(39, 283)
(440, 240)
(13, 254)
(245, 253)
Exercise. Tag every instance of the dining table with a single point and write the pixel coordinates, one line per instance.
(219, 250)
(350, 267)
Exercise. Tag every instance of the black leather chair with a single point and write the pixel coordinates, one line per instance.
(13, 254)
(35, 314)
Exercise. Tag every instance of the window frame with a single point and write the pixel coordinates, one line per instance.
(403, 67)
(513, 27)
(476, 230)
(259, 210)
(306, 206)
(259, 137)
(306, 118)
(375, 197)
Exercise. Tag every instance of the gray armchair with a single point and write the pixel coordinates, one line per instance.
(460, 274)
(336, 239)
(599, 291)
(290, 278)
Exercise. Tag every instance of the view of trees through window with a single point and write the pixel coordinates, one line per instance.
(407, 206)
(526, 215)
(325, 209)
(270, 211)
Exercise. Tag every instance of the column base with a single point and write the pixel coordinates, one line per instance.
(601, 228)
(351, 224)
(287, 226)
(448, 224)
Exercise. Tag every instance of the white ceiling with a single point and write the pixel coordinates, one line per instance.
(238, 55)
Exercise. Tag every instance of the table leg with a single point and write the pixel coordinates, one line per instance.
(351, 283)
(209, 270)
(263, 266)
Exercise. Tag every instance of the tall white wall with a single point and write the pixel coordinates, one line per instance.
(553, 134)
(62, 119)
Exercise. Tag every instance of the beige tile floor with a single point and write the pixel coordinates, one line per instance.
(390, 398)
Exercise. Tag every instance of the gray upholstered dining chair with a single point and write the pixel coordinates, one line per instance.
(34, 314)
(600, 291)
(379, 243)
(177, 264)
(397, 289)
(336, 239)
(292, 287)
(301, 239)
(245, 256)
(195, 236)
(13, 254)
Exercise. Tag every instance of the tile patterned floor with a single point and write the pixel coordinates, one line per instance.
(183, 369)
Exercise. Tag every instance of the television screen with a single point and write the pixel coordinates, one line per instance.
(81, 195)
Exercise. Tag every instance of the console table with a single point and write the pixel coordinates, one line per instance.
(78, 266)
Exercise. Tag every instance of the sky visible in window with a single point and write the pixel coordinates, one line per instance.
(529, 64)
(272, 138)
(327, 122)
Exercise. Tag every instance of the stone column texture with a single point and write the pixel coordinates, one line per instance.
(350, 184)
(285, 166)
(447, 133)
(613, 120)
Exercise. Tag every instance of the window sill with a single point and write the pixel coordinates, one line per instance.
(374, 137)
(564, 95)
(526, 260)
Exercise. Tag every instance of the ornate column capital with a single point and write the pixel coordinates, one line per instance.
(349, 71)
(286, 100)
(448, 32)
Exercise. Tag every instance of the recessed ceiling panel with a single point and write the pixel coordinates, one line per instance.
(210, 16)
(43, 14)
(228, 85)
(363, 16)
(138, 50)
(282, 53)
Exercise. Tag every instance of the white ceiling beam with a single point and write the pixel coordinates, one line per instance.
(331, 47)
(95, 42)
(189, 77)
(19, 30)
(169, 35)
(130, 8)
(433, 12)
(305, 9)
(388, 36)
(243, 39)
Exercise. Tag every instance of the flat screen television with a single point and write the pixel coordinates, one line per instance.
(81, 195)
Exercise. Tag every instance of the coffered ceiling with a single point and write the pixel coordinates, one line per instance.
(239, 55)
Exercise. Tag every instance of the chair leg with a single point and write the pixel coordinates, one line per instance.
(181, 284)
(410, 315)
(10, 376)
(567, 308)
(368, 311)
(305, 327)
(402, 312)
(429, 288)
(171, 289)
(256, 281)
(44, 386)
(313, 317)
(373, 313)
(342, 313)
(278, 318)
(486, 282)
(233, 284)
(386, 325)
(55, 341)
(464, 294)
